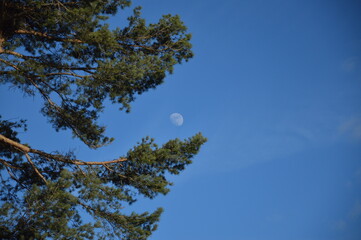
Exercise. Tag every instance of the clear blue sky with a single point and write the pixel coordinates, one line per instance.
(276, 87)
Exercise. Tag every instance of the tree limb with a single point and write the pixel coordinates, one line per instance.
(6, 72)
(25, 149)
(50, 101)
(12, 175)
(9, 64)
(66, 73)
(35, 168)
(44, 35)
(7, 163)
(16, 54)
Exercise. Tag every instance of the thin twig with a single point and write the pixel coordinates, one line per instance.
(7, 163)
(11, 174)
(109, 169)
(35, 168)
(81, 170)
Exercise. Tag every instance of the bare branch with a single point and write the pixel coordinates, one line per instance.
(44, 35)
(67, 73)
(12, 175)
(84, 69)
(35, 168)
(7, 163)
(9, 64)
(6, 72)
(109, 169)
(81, 170)
(2, 51)
(60, 158)
(14, 144)
(118, 160)
(87, 206)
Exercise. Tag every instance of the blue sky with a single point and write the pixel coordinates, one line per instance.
(275, 86)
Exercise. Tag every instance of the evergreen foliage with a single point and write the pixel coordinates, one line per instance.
(64, 51)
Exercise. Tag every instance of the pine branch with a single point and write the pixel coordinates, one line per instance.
(67, 73)
(8, 164)
(44, 35)
(9, 64)
(3, 51)
(85, 69)
(6, 72)
(25, 149)
(35, 168)
(51, 103)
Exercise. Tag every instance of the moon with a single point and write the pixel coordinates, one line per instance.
(176, 119)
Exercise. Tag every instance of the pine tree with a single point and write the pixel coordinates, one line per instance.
(65, 52)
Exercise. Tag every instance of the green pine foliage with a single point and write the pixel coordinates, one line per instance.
(64, 51)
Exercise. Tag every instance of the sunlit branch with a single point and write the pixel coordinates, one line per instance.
(26, 149)
(16, 54)
(35, 168)
(44, 35)
(85, 69)
(67, 73)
